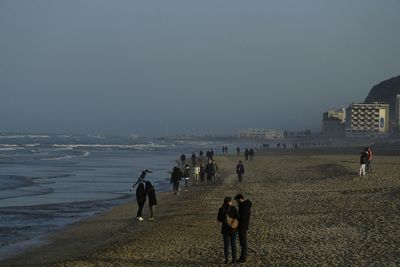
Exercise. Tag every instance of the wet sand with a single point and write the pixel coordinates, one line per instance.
(309, 208)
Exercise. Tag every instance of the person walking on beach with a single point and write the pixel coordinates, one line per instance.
(244, 222)
(210, 171)
(176, 177)
(211, 154)
(228, 217)
(215, 171)
(238, 151)
(246, 154)
(183, 159)
(193, 158)
(369, 163)
(208, 154)
(186, 176)
(196, 173)
(151, 194)
(240, 171)
(202, 172)
(363, 162)
(141, 200)
(251, 154)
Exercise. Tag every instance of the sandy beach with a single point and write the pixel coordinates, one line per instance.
(309, 209)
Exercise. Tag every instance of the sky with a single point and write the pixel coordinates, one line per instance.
(189, 67)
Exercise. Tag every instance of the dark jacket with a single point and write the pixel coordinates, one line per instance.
(364, 157)
(222, 212)
(151, 194)
(240, 169)
(140, 193)
(210, 168)
(244, 214)
(186, 173)
(176, 175)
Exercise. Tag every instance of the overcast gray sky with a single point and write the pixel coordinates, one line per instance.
(121, 67)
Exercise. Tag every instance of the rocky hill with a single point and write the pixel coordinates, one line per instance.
(386, 91)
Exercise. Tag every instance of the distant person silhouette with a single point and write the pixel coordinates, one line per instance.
(369, 162)
(183, 159)
(240, 171)
(251, 154)
(246, 154)
(176, 177)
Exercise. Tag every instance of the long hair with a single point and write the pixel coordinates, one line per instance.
(149, 187)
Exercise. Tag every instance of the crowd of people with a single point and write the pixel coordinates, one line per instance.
(199, 170)
(204, 169)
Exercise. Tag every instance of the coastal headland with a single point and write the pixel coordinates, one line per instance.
(310, 208)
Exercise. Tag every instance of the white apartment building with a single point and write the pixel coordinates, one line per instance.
(367, 120)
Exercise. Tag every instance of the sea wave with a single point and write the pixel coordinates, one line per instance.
(66, 157)
(23, 136)
(108, 146)
(8, 147)
(32, 145)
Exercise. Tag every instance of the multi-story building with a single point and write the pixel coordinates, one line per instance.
(333, 123)
(255, 133)
(367, 120)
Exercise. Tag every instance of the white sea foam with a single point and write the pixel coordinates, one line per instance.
(97, 136)
(84, 155)
(7, 149)
(23, 136)
(105, 146)
(61, 158)
(32, 145)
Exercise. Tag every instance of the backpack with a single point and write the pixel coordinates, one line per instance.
(231, 222)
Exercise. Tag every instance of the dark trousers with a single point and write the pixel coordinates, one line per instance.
(243, 243)
(369, 166)
(240, 177)
(210, 177)
(152, 210)
(230, 239)
(140, 209)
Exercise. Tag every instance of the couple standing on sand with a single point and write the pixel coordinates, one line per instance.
(234, 222)
(365, 161)
(145, 188)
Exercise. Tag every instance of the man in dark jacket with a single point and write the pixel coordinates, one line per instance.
(210, 171)
(244, 221)
(240, 171)
(176, 177)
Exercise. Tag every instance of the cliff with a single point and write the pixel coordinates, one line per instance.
(386, 91)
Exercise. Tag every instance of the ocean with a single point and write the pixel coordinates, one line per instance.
(48, 182)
